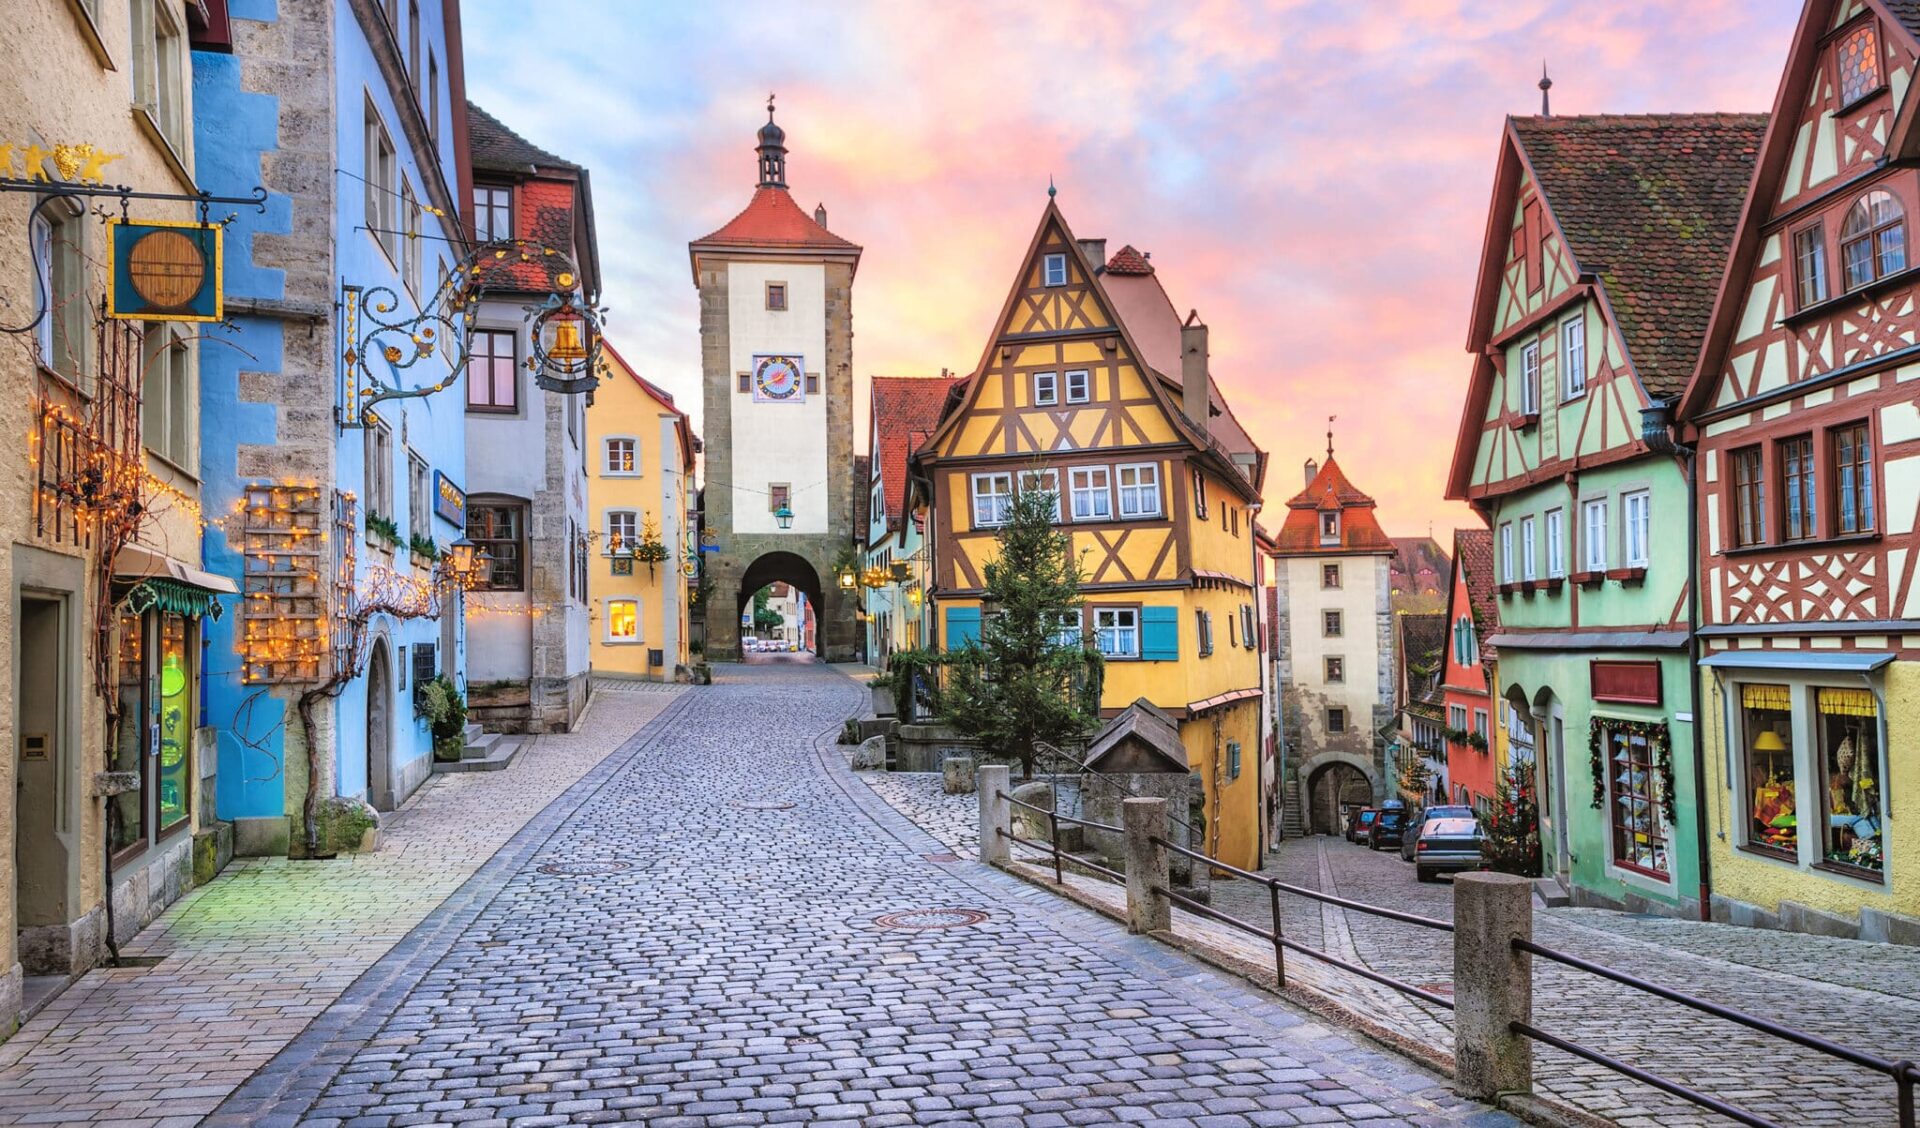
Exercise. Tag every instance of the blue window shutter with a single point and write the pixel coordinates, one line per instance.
(1160, 634)
(963, 627)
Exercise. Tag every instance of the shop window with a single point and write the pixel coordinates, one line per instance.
(1849, 734)
(1766, 717)
(499, 531)
(623, 620)
(157, 711)
(1634, 801)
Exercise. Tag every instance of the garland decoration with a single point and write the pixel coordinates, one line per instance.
(1655, 734)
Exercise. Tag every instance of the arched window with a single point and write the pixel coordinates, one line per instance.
(1873, 244)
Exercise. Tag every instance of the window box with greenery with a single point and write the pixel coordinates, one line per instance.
(425, 553)
(383, 532)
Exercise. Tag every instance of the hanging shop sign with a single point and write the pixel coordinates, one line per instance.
(449, 500)
(164, 271)
(779, 379)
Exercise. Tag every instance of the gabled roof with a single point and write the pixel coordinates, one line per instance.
(1129, 261)
(494, 147)
(1141, 738)
(1648, 204)
(1360, 530)
(772, 219)
(1422, 639)
(1411, 555)
(683, 426)
(906, 409)
(1473, 556)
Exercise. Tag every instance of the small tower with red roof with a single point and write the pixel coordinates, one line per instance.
(776, 351)
(1334, 654)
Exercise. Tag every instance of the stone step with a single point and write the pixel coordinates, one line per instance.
(500, 754)
(1551, 892)
(472, 730)
(481, 746)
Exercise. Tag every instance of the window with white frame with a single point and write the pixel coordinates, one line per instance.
(378, 449)
(1480, 723)
(623, 620)
(1116, 631)
(623, 530)
(623, 456)
(1573, 357)
(168, 411)
(1530, 379)
(65, 333)
(1457, 718)
(1079, 386)
(1556, 543)
(159, 69)
(1042, 481)
(1055, 269)
(1092, 493)
(382, 184)
(1139, 490)
(419, 497)
(1066, 636)
(1637, 516)
(1506, 553)
(1046, 389)
(992, 499)
(1594, 538)
(1529, 561)
(492, 212)
(1330, 527)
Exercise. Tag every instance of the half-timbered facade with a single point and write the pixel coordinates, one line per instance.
(1467, 671)
(1604, 245)
(1091, 387)
(1809, 464)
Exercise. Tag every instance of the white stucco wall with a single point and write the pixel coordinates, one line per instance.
(778, 442)
(1357, 599)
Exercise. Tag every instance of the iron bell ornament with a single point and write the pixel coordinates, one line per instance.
(566, 344)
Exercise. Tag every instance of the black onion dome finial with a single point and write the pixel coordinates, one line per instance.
(773, 152)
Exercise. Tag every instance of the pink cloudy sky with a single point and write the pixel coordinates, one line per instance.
(1312, 175)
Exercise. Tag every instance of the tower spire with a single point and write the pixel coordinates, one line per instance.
(773, 152)
(1545, 84)
(1330, 420)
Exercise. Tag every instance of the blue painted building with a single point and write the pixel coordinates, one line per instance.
(344, 111)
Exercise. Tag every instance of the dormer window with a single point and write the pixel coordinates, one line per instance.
(1873, 244)
(1330, 528)
(1054, 270)
(1857, 59)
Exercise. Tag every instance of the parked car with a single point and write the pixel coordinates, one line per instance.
(1422, 818)
(1447, 846)
(1388, 828)
(1360, 823)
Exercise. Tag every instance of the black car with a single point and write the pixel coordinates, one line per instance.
(1387, 828)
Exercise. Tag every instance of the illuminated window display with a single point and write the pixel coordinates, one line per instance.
(157, 707)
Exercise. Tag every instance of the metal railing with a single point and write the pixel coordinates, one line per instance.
(1052, 845)
(1277, 936)
(1904, 1073)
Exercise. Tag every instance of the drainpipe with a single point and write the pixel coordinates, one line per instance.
(1657, 430)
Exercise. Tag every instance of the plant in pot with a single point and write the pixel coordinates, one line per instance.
(650, 548)
(440, 702)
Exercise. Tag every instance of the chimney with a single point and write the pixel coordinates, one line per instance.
(1096, 252)
(1194, 399)
(1313, 468)
(820, 214)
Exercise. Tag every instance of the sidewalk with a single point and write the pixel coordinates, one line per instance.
(252, 957)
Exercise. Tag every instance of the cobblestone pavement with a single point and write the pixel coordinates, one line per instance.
(922, 797)
(690, 937)
(1857, 994)
(252, 957)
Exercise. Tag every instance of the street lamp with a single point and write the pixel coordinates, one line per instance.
(784, 516)
(848, 579)
(465, 560)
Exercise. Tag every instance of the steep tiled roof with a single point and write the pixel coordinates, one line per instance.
(1359, 529)
(1907, 12)
(1129, 261)
(1648, 204)
(492, 146)
(772, 219)
(1473, 551)
(1422, 638)
(1143, 307)
(906, 409)
(1419, 563)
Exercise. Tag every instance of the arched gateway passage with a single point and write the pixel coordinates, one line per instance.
(1332, 790)
(778, 567)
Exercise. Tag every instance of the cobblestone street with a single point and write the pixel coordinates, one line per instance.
(698, 934)
(1858, 994)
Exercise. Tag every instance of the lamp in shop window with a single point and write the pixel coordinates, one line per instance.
(783, 516)
(1769, 742)
(913, 598)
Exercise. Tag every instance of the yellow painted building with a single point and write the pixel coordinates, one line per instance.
(1091, 387)
(640, 493)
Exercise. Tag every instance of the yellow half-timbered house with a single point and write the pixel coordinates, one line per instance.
(1093, 388)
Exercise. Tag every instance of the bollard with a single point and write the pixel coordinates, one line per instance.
(996, 814)
(1147, 868)
(1492, 984)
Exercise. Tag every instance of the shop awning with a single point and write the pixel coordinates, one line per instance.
(155, 580)
(1830, 661)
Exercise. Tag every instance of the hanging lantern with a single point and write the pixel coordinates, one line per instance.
(784, 516)
(848, 579)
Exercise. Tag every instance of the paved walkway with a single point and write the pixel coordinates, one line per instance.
(698, 933)
(251, 958)
(1858, 994)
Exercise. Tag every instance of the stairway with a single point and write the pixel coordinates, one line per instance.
(1293, 822)
(483, 752)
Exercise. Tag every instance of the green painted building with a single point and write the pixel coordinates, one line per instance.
(1602, 256)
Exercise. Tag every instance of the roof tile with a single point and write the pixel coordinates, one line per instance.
(772, 219)
(906, 409)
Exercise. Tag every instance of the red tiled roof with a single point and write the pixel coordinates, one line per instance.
(772, 219)
(1414, 555)
(906, 409)
(1648, 203)
(689, 442)
(1473, 552)
(1129, 261)
(1359, 530)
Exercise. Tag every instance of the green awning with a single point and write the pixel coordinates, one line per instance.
(156, 593)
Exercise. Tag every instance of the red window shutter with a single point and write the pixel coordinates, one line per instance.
(1629, 683)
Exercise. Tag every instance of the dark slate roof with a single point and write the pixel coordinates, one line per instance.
(1907, 12)
(492, 146)
(1144, 722)
(1413, 556)
(1648, 204)
(1473, 553)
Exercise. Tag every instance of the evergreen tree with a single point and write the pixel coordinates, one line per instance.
(1034, 675)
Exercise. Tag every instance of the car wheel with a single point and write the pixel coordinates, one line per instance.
(1422, 874)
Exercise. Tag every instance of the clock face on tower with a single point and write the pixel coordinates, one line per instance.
(779, 379)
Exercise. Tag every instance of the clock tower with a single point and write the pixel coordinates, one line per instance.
(776, 354)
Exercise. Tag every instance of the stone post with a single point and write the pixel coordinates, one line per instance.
(1492, 984)
(958, 774)
(996, 814)
(1146, 865)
